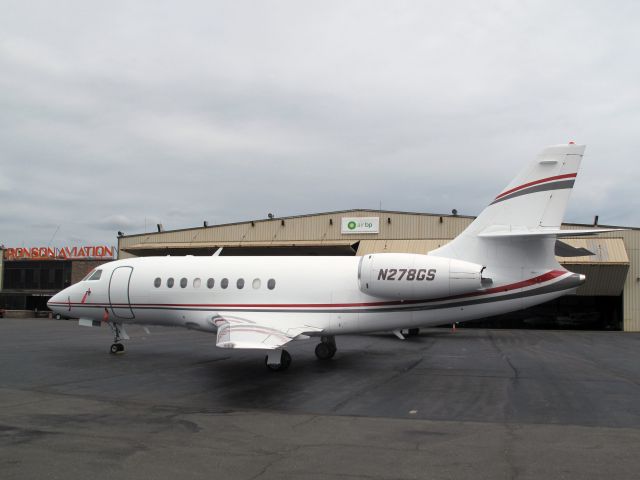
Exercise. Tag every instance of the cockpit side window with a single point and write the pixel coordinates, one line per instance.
(96, 275)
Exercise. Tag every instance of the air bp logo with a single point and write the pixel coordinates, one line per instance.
(360, 225)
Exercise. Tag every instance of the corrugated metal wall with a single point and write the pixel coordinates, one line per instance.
(326, 226)
(631, 294)
(399, 246)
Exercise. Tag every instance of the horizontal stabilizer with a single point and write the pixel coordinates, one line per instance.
(493, 232)
(565, 250)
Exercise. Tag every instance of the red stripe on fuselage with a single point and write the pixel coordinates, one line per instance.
(537, 182)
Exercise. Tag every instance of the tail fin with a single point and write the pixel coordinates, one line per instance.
(534, 202)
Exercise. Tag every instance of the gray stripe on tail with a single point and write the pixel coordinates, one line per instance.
(537, 188)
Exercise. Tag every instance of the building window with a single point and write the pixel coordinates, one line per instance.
(196, 283)
(157, 282)
(240, 283)
(224, 283)
(210, 283)
(256, 283)
(170, 282)
(271, 284)
(183, 282)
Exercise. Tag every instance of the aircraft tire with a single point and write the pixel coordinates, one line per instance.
(120, 347)
(114, 348)
(324, 351)
(285, 361)
(414, 332)
(273, 368)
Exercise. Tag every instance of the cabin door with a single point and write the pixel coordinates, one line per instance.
(119, 292)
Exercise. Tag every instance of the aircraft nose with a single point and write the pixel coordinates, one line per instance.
(54, 303)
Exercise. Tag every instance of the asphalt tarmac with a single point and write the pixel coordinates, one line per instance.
(494, 404)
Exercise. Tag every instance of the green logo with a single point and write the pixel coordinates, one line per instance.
(351, 225)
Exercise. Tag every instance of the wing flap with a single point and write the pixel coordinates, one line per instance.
(243, 334)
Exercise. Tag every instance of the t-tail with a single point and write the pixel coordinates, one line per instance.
(520, 226)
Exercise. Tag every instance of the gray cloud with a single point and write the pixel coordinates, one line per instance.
(120, 112)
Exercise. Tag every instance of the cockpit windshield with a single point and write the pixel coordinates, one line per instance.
(93, 275)
(96, 275)
(86, 277)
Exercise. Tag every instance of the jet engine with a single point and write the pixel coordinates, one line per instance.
(407, 276)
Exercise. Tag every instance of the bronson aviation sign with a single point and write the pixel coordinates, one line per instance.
(64, 253)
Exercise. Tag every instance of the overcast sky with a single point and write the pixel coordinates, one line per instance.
(118, 114)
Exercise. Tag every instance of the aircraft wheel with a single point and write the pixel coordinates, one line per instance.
(285, 361)
(414, 332)
(324, 351)
(270, 366)
(114, 348)
(120, 347)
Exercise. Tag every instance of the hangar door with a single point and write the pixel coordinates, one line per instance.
(119, 292)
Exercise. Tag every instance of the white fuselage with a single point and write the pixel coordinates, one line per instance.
(322, 293)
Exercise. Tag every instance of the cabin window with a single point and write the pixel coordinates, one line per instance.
(240, 283)
(271, 284)
(170, 282)
(96, 275)
(183, 282)
(210, 283)
(196, 283)
(157, 282)
(256, 283)
(224, 283)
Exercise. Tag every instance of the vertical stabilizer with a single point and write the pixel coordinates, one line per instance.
(534, 201)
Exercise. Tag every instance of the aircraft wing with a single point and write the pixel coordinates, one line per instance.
(236, 332)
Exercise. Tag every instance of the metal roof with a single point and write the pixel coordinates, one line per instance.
(208, 245)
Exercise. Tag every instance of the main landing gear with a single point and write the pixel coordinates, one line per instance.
(118, 335)
(277, 360)
(326, 349)
(413, 332)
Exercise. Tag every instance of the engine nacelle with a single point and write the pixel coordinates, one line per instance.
(408, 276)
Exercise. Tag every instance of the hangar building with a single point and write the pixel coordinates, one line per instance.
(30, 276)
(610, 298)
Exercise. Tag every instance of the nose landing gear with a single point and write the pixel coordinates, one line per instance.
(118, 335)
